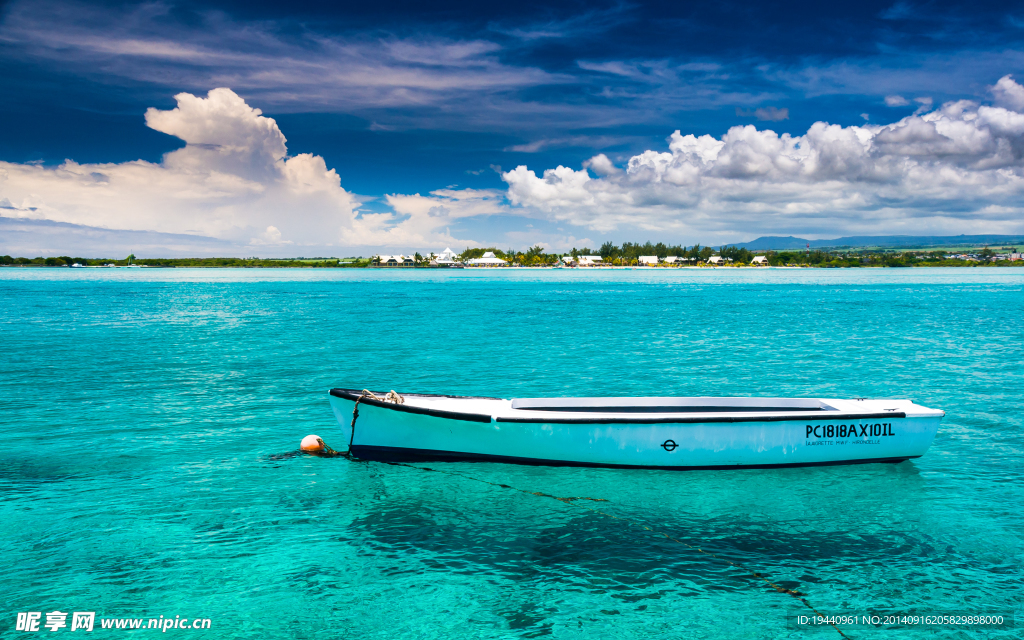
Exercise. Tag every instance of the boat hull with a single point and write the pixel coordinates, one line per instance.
(395, 434)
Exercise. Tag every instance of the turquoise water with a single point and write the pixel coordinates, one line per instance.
(142, 414)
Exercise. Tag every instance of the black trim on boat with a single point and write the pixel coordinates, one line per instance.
(358, 392)
(668, 408)
(351, 394)
(402, 454)
(687, 419)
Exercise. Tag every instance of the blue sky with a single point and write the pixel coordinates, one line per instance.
(447, 100)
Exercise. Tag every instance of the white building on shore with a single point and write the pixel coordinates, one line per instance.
(395, 261)
(488, 260)
(649, 261)
(589, 261)
(446, 258)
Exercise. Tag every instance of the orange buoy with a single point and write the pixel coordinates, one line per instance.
(313, 444)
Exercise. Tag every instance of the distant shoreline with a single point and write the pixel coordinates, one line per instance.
(962, 264)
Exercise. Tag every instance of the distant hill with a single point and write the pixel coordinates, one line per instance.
(780, 243)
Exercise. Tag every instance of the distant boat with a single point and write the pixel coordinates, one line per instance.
(652, 433)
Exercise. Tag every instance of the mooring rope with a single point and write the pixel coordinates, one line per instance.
(391, 396)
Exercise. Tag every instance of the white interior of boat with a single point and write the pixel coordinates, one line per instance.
(670, 405)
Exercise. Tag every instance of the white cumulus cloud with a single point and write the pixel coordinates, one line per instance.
(1009, 94)
(960, 166)
(232, 181)
(420, 221)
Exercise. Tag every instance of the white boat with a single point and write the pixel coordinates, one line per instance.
(651, 433)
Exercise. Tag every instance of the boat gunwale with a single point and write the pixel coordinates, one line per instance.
(352, 394)
(355, 393)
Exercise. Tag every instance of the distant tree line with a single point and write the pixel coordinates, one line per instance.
(881, 258)
(61, 261)
(630, 252)
(66, 261)
(534, 256)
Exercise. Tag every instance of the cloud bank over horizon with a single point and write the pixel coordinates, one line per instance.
(957, 168)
